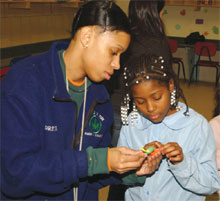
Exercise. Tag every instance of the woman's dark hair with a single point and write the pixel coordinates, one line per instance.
(104, 13)
(217, 102)
(151, 64)
(144, 17)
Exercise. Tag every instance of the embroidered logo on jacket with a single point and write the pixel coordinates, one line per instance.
(95, 124)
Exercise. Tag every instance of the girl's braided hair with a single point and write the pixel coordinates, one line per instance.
(151, 64)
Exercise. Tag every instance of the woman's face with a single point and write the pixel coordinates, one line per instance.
(153, 99)
(102, 56)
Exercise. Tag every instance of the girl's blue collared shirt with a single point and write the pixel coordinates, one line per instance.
(195, 176)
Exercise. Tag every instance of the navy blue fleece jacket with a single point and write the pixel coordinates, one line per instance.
(40, 135)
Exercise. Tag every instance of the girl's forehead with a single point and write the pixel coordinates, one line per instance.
(148, 85)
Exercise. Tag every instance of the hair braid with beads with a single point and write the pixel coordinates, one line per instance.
(148, 67)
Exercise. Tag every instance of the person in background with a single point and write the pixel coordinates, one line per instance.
(56, 116)
(215, 123)
(146, 22)
(153, 115)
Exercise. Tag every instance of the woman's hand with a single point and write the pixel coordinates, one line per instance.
(123, 159)
(173, 152)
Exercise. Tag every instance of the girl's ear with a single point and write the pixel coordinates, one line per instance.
(171, 85)
(85, 36)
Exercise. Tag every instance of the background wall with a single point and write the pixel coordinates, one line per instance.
(30, 28)
(123, 4)
(41, 22)
(22, 30)
(180, 21)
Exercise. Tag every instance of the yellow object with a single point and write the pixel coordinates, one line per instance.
(148, 150)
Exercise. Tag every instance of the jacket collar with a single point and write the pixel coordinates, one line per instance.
(96, 91)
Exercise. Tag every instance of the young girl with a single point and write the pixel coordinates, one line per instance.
(184, 137)
(56, 117)
(145, 21)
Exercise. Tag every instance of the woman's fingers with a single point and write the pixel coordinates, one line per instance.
(123, 159)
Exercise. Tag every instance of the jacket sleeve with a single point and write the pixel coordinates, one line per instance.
(25, 166)
(198, 171)
(105, 178)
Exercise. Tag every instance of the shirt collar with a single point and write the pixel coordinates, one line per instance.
(175, 121)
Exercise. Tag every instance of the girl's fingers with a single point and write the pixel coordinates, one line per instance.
(177, 159)
(158, 144)
(154, 144)
(170, 147)
(173, 153)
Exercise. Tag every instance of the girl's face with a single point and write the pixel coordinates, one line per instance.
(102, 56)
(153, 99)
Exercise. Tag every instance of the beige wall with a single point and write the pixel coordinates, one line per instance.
(52, 21)
(123, 4)
(41, 22)
(180, 21)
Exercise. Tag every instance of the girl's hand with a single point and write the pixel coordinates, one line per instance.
(154, 144)
(123, 159)
(150, 165)
(173, 152)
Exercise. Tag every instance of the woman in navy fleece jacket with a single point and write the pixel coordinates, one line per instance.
(56, 117)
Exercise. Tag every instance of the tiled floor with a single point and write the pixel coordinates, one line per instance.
(214, 197)
(200, 96)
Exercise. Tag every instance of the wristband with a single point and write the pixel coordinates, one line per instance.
(108, 161)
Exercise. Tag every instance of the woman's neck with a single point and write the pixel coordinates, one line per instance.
(73, 64)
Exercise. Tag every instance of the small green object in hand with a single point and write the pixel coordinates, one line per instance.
(148, 150)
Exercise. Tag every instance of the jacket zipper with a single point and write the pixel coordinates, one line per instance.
(88, 115)
(75, 123)
(76, 140)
